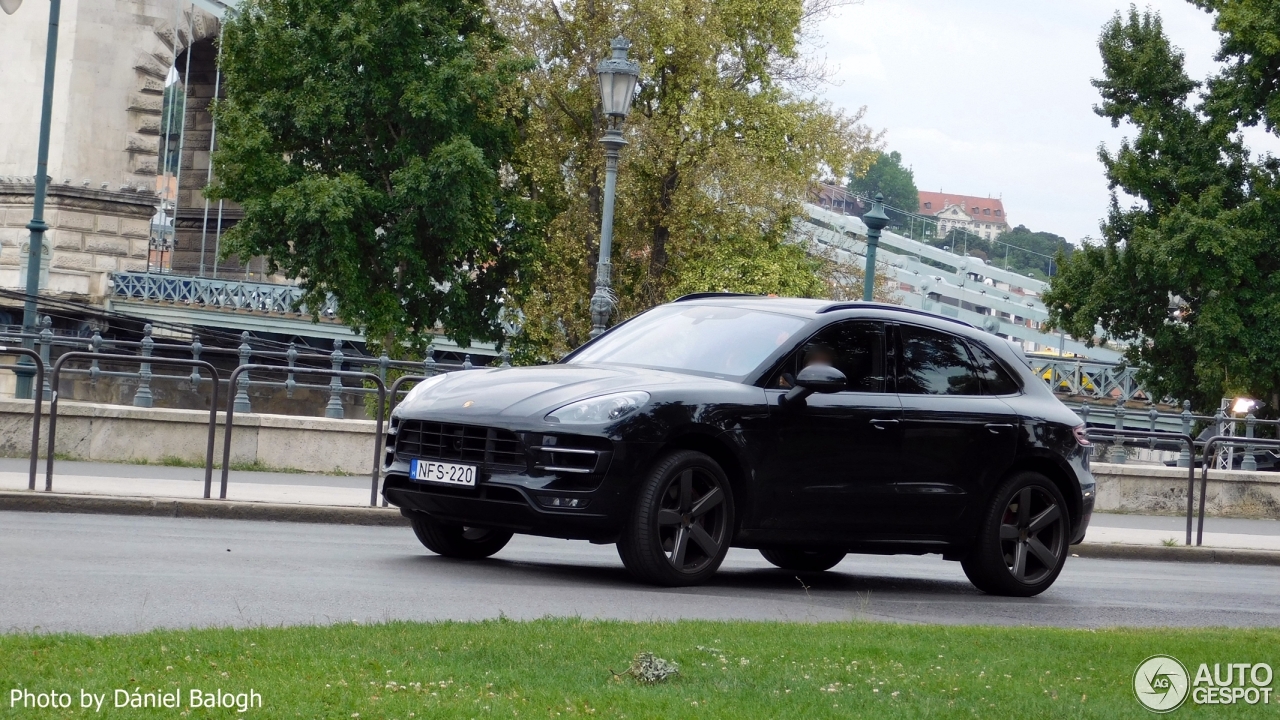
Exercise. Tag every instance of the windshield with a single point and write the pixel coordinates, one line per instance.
(724, 342)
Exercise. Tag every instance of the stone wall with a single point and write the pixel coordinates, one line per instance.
(114, 433)
(1153, 490)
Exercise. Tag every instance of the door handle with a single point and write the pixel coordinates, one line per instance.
(996, 428)
(879, 424)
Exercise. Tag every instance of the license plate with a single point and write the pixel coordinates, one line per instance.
(443, 472)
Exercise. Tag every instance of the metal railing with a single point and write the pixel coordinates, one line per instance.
(216, 294)
(36, 409)
(336, 374)
(1188, 443)
(1096, 379)
(291, 358)
(1204, 474)
(146, 363)
(1120, 417)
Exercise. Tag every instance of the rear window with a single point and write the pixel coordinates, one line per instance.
(935, 363)
(995, 379)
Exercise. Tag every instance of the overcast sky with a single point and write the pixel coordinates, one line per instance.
(992, 97)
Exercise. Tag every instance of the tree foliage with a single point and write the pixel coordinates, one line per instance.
(1201, 227)
(1020, 250)
(368, 142)
(888, 177)
(723, 149)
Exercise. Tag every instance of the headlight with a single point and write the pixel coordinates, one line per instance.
(417, 391)
(602, 409)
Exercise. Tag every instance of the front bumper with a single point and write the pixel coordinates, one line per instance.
(541, 498)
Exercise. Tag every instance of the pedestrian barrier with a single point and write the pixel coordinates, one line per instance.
(145, 370)
(35, 410)
(1154, 436)
(337, 375)
(1233, 440)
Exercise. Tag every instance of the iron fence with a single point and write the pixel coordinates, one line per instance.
(145, 368)
(1221, 423)
(292, 358)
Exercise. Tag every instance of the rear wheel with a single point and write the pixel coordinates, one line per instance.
(458, 541)
(679, 530)
(801, 560)
(1023, 539)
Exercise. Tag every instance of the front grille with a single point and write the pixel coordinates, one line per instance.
(490, 448)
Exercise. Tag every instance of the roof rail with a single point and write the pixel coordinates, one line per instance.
(833, 307)
(701, 295)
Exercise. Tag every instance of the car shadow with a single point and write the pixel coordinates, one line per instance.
(770, 582)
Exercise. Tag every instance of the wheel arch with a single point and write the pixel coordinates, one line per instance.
(722, 452)
(1060, 475)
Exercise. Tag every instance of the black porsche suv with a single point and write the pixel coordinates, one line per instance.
(803, 428)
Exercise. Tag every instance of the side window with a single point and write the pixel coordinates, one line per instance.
(935, 363)
(855, 348)
(995, 379)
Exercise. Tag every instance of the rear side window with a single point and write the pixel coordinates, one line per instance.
(995, 379)
(934, 363)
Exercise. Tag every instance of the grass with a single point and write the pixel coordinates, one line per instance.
(574, 668)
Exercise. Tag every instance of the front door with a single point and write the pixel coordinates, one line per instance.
(837, 452)
(958, 436)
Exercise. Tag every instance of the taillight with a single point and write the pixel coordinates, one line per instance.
(1082, 435)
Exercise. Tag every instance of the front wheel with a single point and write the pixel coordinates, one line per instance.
(679, 531)
(800, 560)
(458, 541)
(1023, 539)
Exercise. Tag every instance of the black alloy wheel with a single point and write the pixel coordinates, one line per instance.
(803, 560)
(458, 541)
(680, 529)
(1024, 539)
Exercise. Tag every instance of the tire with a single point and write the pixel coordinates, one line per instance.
(457, 541)
(800, 560)
(1023, 538)
(680, 528)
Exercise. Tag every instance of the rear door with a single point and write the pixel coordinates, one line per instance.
(837, 454)
(958, 437)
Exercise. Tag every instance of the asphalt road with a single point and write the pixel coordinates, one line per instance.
(112, 574)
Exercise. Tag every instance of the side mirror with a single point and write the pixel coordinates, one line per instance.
(815, 379)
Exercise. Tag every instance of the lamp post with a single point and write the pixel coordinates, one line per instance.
(875, 220)
(37, 225)
(618, 77)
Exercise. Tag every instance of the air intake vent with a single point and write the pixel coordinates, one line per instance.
(491, 448)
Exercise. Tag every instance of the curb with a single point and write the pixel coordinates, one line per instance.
(28, 501)
(1176, 553)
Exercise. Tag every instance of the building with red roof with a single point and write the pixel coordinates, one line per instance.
(984, 217)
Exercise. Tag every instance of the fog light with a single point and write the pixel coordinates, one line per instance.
(557, 501)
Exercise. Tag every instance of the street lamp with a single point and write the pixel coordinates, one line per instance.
(875, 220)
(37, 225)
(618, 77)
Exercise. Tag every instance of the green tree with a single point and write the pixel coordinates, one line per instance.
(1029, 252)
(723, 150)
(366, 141)
(888, 177)
(1201, 227)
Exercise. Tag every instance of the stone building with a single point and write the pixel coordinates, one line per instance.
(130, 232)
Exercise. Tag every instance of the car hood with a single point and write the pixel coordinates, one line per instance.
(533, 391)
